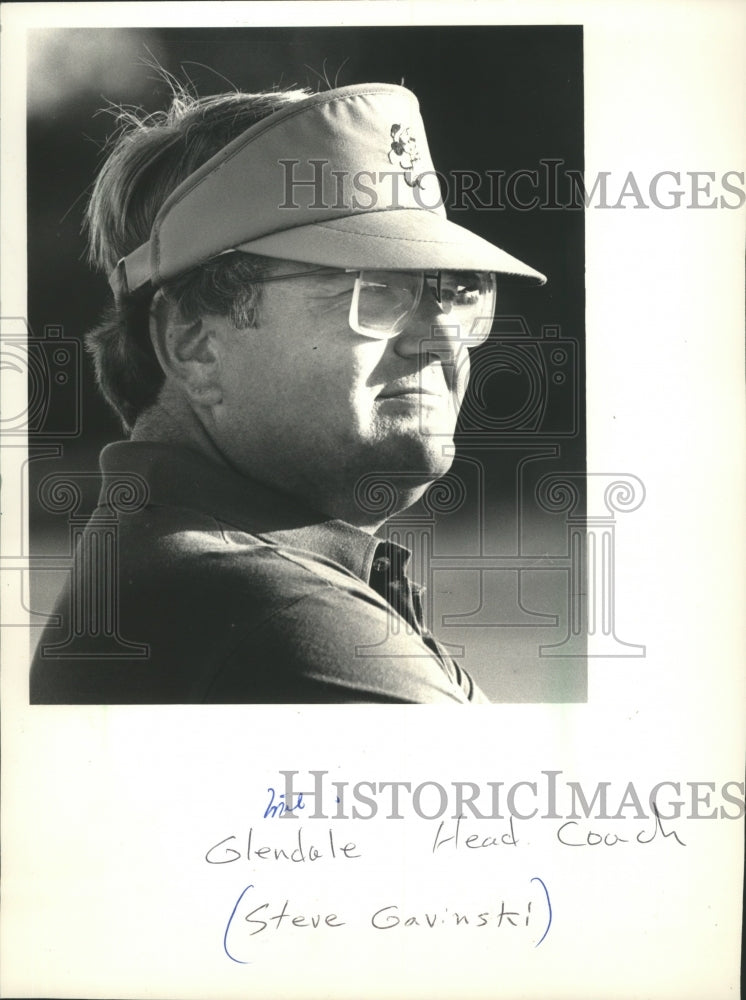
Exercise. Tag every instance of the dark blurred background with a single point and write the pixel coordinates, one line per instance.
(493, 99)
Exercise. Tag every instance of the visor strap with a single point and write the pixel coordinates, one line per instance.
(131, 273)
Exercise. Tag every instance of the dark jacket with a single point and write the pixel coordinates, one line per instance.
(194, 584)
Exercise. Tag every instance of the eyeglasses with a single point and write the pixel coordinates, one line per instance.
(384, 302)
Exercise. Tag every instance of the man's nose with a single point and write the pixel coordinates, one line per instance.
(432, 329)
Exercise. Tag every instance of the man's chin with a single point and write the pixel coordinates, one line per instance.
(419, 458)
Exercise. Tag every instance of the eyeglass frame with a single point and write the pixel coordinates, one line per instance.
(358, 271)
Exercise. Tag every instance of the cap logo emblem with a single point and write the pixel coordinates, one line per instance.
(404, 152)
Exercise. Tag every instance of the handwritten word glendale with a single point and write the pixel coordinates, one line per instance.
(324, 847)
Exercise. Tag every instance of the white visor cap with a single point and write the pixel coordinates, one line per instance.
(342, 179)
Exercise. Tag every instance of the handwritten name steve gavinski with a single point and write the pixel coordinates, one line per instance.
(252, 915)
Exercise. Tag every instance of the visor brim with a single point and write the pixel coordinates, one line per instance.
(404, 239)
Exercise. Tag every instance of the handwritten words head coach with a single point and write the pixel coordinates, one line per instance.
(292, 312)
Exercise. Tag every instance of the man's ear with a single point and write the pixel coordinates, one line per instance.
(187, 352)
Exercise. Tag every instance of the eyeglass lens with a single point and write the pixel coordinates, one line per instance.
(386, 300)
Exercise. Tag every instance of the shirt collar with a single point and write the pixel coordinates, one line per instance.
(180, 477)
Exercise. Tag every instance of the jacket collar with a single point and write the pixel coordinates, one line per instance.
(180, 477)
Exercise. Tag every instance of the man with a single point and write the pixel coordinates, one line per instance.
(291, 322)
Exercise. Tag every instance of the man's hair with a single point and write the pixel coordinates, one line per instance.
(150, 155)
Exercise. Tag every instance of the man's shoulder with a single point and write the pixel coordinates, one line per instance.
(333, 645)
(308, 627)
(228, 616)
(175, 550)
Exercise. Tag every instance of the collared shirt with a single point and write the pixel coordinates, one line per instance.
(219, 589)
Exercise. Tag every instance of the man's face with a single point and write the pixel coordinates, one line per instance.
(310, 406)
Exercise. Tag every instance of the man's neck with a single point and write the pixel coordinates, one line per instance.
(172, 421)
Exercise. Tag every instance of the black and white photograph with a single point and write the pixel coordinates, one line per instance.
(373, 482)
(352, 520)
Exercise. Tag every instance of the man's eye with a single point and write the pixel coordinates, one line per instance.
(467, 293)
(457, 285)
(462, 294)
(387, 294)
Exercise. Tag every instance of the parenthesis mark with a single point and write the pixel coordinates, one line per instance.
(549, 907)
(228, 927)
